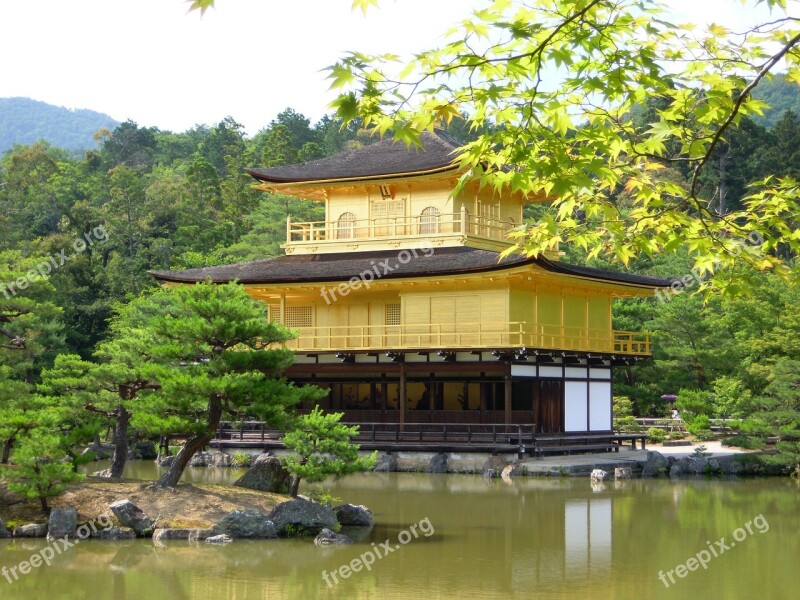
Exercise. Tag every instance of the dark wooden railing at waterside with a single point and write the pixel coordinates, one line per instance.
(495, 438)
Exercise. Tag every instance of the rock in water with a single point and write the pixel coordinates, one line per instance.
(245, 524)
(327, 537)
(130, 515)
(622, 473)
(656, 465)
(599, 475)
(352, 515)
(32, 530)
(438, 464)
(63, 523)
(114, 533)
(386, 463)
(219, 539)
(4, 533)
(302, 515)
(266, 475)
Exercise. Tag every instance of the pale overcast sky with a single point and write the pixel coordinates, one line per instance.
(150, 61)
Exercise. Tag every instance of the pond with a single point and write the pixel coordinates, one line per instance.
(460, 536)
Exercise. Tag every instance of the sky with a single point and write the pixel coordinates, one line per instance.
(150, 61)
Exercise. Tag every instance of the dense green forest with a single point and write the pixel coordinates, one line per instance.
(25, 121)
(150, 199)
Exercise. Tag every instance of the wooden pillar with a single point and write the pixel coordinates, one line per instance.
(384, 393)
(483, 386)
(507, 406)
(402, 398)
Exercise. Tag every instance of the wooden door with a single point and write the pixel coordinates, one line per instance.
(549, 409)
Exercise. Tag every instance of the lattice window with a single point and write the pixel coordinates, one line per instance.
(429, 220)
(298, 316)
(274, 312)
(345, 226)
(392, 314)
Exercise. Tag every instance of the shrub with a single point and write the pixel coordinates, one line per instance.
(704, 435)
(656, 435)
(744, 441)
(240, 460)
(627, 424)
(677, 435)
(700, 423)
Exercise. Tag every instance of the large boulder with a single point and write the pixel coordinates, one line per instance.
(130, 515)
(352, 515)
(63, 523)
(656, 465)
(4, 533)
(437, 464)
(266, 475)
(386, 463)
(191, 535)
(220, 459)
(114, 533)
(302, 516)
(32, 530)
(244, 525)
(201, 459)
(326, 537)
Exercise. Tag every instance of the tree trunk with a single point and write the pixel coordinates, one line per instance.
(120, 442)
(7, 446)
(295, 487)
(43, 502)
(193, 444)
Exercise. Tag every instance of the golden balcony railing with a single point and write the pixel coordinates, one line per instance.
(483, 335)
(417, 226)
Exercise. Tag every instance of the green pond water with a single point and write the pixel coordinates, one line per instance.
(475, 538)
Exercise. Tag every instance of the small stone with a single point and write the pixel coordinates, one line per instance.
(219, 539)
(326, 537)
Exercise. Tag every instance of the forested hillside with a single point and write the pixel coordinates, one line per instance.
(25, 121)
(151, 199)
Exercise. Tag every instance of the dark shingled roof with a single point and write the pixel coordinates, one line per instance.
(382, 159)
(389, 264)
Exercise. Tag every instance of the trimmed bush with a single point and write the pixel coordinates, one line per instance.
(656, 435)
